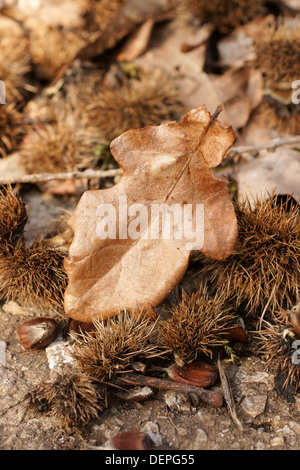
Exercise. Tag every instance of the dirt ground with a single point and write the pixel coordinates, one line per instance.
(172, 420)
(269, 421)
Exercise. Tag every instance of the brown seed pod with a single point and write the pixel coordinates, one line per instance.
(13, 215)
(195, 373)
(130, 440)
(99, 15)
(265, 266)
(197, 324)
(278, 60)
(149, 100)
(277, 343)
(33, 276)
(71, 397)
(14, 61)
(225, 15)
(273, 114)
(11, 128)
(109, 349)
(37, 333)
(237, 333)
(53, 50)
(62, 146)
(78, 328)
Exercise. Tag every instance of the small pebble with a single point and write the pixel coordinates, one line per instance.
(277, 441)
(254, 405)
(2, 353)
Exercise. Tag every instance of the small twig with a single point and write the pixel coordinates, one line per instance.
(172, 422)
(228, 396)
(211, 397)
(99, 174)
(44, 177)
(272, 145)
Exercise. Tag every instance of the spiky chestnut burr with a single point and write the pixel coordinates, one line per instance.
(12, 128)
(14, 63)
(196, 325)
(278, 60)
(109, 349)
(33, 275)
(278, 343)
(225, 15)
(72, 398)
(265, 266)
(53, 50)
(13, 216)
(37, 333)
(148, 100)
(64, 145)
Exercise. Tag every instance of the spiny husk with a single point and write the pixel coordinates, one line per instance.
(100, 15)
(278, 60)
(265, 266)
(62, 146)
(284, 118)
(113, 344)
(53, 50)
(74, 92)
(147, 101)
(276, 344)
(11, 128)
(13, 216)
(14, 63)
(278, 57)
(33, 276)
(72, 398)
(225, 15)
(197, 324)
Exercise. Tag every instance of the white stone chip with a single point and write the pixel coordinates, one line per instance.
(59, 353)
(3, 353)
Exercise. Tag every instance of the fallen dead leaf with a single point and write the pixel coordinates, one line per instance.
(137, 43)
(164, 165)
(128, 18)
(236, 49)
(277, 171)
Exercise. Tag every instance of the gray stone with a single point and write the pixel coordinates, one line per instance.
(277, 441)
(295, 427)
(177, 402)
(254, 405)
(58, 354)
(201, 438)
(152, 430)
(3, 353)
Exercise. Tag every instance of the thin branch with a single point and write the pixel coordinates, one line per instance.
(99, 174)
(227, 392)
(44, 177)
(211, 397)
(254, 149)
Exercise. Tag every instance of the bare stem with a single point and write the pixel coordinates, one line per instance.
(44, 177)
(254, 149)
(211, 397)
(99, 174)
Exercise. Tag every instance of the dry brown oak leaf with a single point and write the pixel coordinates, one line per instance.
(164, 165)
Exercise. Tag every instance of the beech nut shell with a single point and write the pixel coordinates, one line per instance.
(37, 333)
(295, 318)
(195, 373)
(130, 440)
(77, 328)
